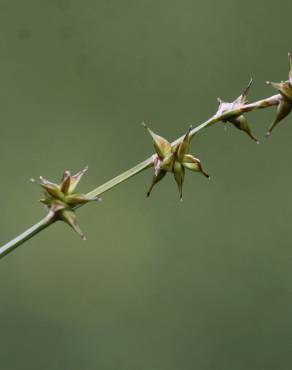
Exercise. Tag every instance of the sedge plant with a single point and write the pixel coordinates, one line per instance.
(62, 200)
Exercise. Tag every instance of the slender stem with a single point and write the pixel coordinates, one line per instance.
(26, 235)
(120, 178)
(49, 220)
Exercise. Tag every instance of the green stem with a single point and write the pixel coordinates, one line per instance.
(26, 235)
(121, 178)
(49, 220)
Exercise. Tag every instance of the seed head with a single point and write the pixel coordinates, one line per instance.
(237, 119)
(61, 200)
(174, 159)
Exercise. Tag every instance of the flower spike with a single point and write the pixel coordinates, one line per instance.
(61, 200)
(238, 120)
(285, 97)
(174, 159)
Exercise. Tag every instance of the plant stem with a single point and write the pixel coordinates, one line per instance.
(29, 233)
(121, 178)
(49, 220)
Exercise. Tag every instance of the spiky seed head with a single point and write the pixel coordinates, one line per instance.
(61, 200)
(237, 118)
(175, 161)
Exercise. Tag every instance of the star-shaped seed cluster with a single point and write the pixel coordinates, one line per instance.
(238, 120)
(61, 200)
(174, 159)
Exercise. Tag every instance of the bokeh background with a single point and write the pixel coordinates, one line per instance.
(159, 284)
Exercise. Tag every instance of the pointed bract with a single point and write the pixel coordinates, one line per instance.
(52, 188)
(194, 164)
(242, 124)
(161, 145)
(284, 88)
(179, 175)
(65, 183)
(242, 99)
(183, 147)
(156, 178)
(75, 179)
(283, 109)
(285, 100)
(69, 217)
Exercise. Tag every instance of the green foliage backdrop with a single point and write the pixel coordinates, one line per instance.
(159, 284)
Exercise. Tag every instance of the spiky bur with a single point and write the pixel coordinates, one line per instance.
(61, 200)
(285, 100)
(174, 159)
(238, 120)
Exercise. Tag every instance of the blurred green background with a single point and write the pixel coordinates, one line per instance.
(159, 285)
